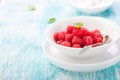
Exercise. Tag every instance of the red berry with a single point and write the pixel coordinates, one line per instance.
(78, 37)
(66, 43)
(91, 33)
(62, 35)
(96, 31)
(56, 34)
(87, 40)
(97, 36)
(59, 41)
(76, 46)
(84, 32)
(76, 31)
(76, 40)
(70, 28)
(68, 37)
(99, 40)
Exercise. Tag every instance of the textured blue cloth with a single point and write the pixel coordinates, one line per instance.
(22, 35)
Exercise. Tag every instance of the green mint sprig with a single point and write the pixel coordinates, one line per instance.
(52, 20)
(79, 25)
(32, 8)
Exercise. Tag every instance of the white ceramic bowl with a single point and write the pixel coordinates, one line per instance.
(106, 27)
(91, 6)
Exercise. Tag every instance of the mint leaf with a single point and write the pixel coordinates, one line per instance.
(79, 25)
(51, 20)
(32, 8)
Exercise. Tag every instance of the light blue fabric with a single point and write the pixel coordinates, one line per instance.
(22, 34)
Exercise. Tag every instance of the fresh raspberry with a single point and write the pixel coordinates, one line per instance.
(96, 31)
(70, 28)
(68, 37)
(99, 40)
(59, 41)
(76, 46)
(84, 41)
(56, 34)
(76, 40)
(97, 36)
(91, 33)
(65, 43)
(84, 32)
(76, 31)
(78, 37)
(62, 35)
(87, 40)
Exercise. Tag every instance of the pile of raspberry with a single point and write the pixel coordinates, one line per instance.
(77, 37)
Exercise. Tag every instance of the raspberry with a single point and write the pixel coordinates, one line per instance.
(96, 31)
(56, 34)
(96, 34)
(70, 28)
(97, 37)
(66, 43)
(99, 40)
(62, 35)
(84, 41)
(76, 40)
(78, 37)
(76, 46)
(76, 31)
(59, 41)
(84, 32)
(87, 40)
(91, 33)
(68, 37)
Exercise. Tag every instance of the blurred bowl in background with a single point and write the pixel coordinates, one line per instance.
(91, 6)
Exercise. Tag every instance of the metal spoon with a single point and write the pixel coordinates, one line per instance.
(86, 48)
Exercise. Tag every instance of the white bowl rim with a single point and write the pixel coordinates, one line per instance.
(82, 65)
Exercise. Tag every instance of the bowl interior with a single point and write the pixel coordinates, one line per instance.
(106, 26)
